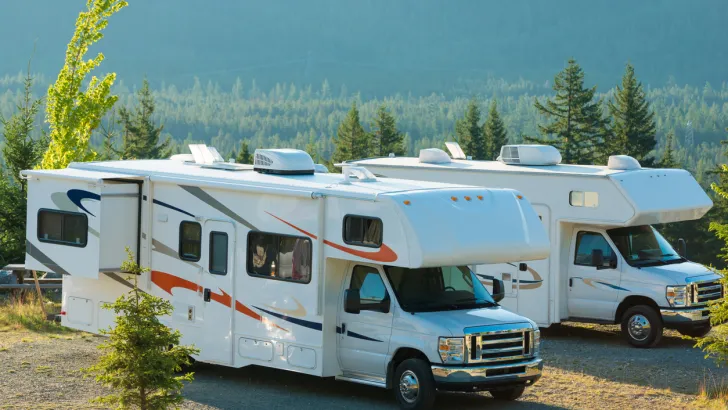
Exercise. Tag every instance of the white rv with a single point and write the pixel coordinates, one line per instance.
(347, 276)
(608, 264)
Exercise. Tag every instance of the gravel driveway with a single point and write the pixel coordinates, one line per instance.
(587, 367)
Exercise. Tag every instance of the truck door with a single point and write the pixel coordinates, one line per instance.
(218, 273)
(593, 290)
(364, 337)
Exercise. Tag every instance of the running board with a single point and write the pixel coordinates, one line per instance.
(363, 379)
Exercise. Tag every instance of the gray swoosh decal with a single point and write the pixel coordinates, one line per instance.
(206, 198)
(41, 257)
(121, 280)
(60, 199)
(166, 250)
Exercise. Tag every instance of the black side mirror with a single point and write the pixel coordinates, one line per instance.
(499, 291)
(384, 306)
(352, 301)
(597, 258)
(522, 267)
(682, 248)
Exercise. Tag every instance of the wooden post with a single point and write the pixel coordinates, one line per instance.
(40, 295)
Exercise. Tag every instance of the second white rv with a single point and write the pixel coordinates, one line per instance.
(608, 263)
(350, 276)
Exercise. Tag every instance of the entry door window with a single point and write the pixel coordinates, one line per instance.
(586, 242)
(218, 253)
(370, 285)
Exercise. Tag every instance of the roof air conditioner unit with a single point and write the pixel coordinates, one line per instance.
(434, 156)
(623, 162)
(283, 162)
(529, 155)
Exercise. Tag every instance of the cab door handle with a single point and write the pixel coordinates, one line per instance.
(571, 282)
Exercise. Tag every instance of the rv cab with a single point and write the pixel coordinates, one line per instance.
(608, 262)
(353, 276)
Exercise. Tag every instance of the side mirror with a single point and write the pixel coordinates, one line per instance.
(499, 291)
(682, 248)
(522, 267)
(384, 306)
(352, 301)
(597, 258)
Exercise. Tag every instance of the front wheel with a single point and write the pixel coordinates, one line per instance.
(510, 394)
(414, 385)
(698, 331)
(642, 326)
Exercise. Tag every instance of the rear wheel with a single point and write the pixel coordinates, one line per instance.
(510, 394)
(414, 385)
(697, 331)
(642, 326)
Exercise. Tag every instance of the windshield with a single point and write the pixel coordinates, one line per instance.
(434, 289)
(643, 246)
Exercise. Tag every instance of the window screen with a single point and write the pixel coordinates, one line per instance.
(190, 241)
(586, 242)
(363, 231)
(63, 228)
(218, 253)
(280, 257)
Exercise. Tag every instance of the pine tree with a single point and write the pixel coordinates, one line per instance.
(244, 156)
(312, 149)
(494, 133)
(668, 157)
(72, 114)
(469, 131)
(576, 125)
(140, 134)
(108, 131)
(633, 122)
(351, 141)
(22, 150)
(387, 139)
(142, 354)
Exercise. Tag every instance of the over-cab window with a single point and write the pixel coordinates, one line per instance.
(363, 231)
(63, 228)
(369, 282)
(584, 199)
(218, 253)
(190, 241)
(282, 257)
(586, 243)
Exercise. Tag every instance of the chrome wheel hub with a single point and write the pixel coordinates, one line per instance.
(409, 386)
(639, 327)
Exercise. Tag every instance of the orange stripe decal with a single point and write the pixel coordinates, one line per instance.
(168, 282)
(384, 254)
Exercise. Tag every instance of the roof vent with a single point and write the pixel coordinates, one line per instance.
(623, 162)
(434, 156)
(529, 155)
(455, 150)
(208, 157)
(320, 169)
(283, 162)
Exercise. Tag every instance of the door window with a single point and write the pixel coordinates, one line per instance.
(586, 242)
(370, 285)
(218, 253)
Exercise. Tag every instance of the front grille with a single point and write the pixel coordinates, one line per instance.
(704, 292)
(500, 346)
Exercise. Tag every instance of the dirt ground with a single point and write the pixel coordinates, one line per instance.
(587, 367)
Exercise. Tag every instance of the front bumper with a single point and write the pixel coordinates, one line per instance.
(677, 317)
(477, 377)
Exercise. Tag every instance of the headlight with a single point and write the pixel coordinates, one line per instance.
(536, 342)
(452, 350)
(677, 295)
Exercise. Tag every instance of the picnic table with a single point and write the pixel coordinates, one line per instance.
(18, 274)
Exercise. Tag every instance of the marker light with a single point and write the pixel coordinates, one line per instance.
(406, 202)
(454, 198)
(480, 197)
(519, 196)
(467, 198)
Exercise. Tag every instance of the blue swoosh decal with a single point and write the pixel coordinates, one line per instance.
(612, 286)
(174, 208)
(77, 195)
(296, 321)
(362, 337)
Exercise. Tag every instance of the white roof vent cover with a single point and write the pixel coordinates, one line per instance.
(529, 155)
(283, 162)
(434, 156)
(623, 162)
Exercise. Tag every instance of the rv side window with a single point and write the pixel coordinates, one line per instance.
(363, 231)
(63, 228)
(586, 242)
(370, 284)
(218, 253)
(584, 199)
(281, 257)
(190, 241)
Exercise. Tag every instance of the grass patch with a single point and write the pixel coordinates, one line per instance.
(16, 316)
(713, 393)
(43, 369)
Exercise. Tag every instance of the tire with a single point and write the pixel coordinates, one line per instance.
(414, 385)
(698, 331)
(642, 326)
(509, 394)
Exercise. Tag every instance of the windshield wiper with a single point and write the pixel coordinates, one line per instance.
(473, 299)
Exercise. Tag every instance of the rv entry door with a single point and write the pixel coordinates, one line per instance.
(218, 272)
